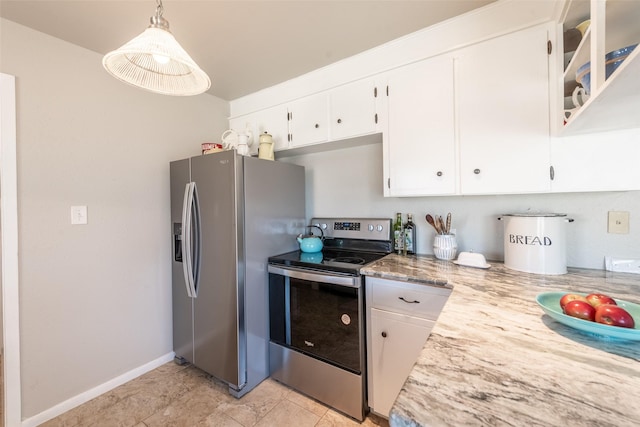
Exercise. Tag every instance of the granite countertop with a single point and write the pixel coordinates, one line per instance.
(495, 358)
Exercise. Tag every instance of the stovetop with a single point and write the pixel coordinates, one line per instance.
(344, 261)
(349, 243)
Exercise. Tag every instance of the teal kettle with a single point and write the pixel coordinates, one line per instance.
(311, 243)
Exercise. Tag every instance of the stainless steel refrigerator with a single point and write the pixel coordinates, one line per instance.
(229, 213)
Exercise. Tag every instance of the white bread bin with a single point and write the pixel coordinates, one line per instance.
(536, 242)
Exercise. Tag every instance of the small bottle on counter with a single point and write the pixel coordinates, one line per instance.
(410, 235)
(398, 240)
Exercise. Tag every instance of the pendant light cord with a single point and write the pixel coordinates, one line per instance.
(158, 21)
(159, 9)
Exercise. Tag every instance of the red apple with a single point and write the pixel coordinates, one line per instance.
(580, 309)
(571, 297)
(597, 300)
(614, 315)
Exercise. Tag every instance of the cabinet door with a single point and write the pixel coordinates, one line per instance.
(606, 161)
(271, 120)
(503, 113)
(353, 109)
(420, 144)
(308, 120)
(396, 342)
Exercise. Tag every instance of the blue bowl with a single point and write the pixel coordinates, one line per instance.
(612, 61)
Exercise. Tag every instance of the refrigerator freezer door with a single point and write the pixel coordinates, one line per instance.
(218, 308)
(182, 303)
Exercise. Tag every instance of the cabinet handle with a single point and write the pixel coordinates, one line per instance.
(409, 302)
(439, 173)
(476, 171)
(552, 173)
(317, 126)
(384, 334)
(339, 120)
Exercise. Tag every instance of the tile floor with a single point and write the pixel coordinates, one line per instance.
(173, 395)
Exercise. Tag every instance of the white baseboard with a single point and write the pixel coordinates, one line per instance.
(81, 398)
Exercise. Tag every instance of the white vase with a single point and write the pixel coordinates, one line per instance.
(445, 246)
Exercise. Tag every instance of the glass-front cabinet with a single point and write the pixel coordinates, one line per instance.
(600, 66)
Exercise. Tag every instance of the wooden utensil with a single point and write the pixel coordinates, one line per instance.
(441, 224)
(431, 221)
(448, 225)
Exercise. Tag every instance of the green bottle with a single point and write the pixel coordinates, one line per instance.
(398, 234)
(410, 235)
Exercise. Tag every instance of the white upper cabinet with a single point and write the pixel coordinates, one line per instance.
(613, 26)
(419, 146)
(596, 148)
(475, 121)
(309, 120)
(602, 161)
(502, 93)
(476, 104)
(353, 109)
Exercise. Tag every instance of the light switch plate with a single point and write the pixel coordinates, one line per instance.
(78, 215)
(618, 222)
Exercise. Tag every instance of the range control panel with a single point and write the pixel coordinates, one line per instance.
(354, 228)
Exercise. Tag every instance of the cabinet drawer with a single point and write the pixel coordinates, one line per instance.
(409, 298)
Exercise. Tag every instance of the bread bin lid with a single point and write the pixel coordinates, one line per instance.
(533, 214)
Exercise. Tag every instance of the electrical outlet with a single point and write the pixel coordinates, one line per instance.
(623, 265)
(618, 222)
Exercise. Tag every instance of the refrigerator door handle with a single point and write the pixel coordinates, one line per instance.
(190, 259)
(197, 255)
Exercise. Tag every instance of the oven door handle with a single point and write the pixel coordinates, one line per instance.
(323, 277)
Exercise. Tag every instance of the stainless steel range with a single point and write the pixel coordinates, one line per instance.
(316, 312)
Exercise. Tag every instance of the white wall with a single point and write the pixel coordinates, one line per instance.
(95, 300)
(349, 182)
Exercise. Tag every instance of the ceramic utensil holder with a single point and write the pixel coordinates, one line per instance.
(445, 246)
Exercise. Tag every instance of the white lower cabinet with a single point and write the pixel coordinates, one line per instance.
(400, 317)
(396, 341)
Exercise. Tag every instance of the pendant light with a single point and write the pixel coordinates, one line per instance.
(156, 62)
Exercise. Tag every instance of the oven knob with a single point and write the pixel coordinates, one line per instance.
(379, 227)
(370, 227)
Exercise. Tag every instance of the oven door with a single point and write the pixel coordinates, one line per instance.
(319, 314)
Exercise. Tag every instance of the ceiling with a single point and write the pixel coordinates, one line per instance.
(244, 45)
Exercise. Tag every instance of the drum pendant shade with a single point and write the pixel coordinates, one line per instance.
(156, 62)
